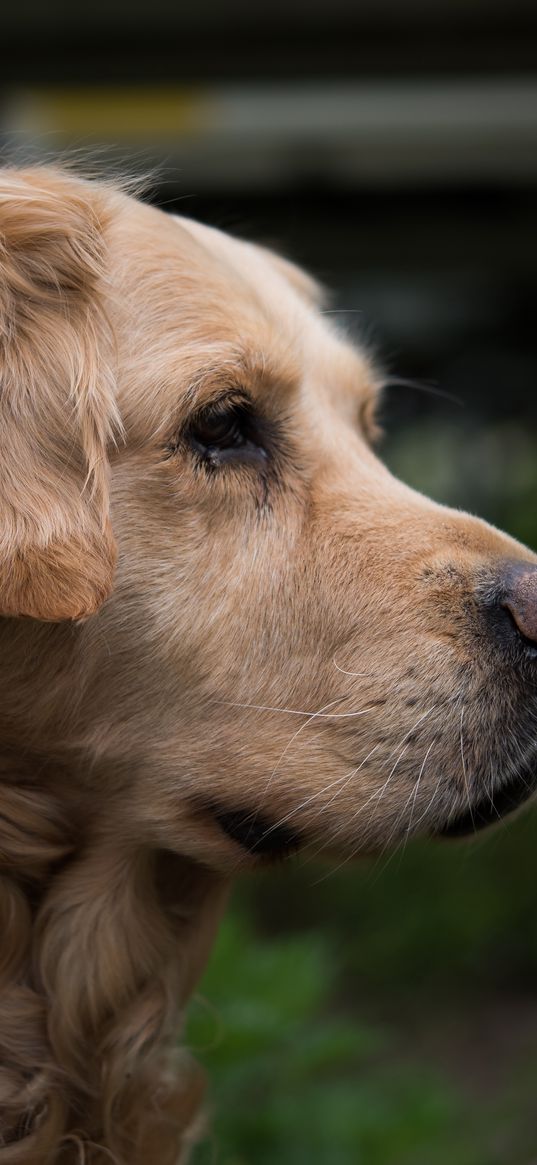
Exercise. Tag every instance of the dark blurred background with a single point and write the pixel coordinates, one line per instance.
(384, 1013)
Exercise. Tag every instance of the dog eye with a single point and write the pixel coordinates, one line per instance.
(226, 432)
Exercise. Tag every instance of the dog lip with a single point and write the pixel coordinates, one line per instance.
(490, 811)
(255, 834)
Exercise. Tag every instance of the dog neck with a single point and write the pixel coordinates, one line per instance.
(103, 943)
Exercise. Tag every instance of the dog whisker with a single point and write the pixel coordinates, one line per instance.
(467, 787)
(315, 853)
(413, 729)
(377, 794)
(303, 804)
(490, 793)
(338, 311)
(411, 798)
(315, 715)
(359, 674)
(346, 779)
(429, 804)
(416, 789)
(357, 849)
(420, 386)
(296, 712)
(400, 816)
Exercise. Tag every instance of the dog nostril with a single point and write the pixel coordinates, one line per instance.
(519, 599)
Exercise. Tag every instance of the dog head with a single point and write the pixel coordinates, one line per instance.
(297, 648)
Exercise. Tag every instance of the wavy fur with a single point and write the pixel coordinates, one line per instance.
(89, 982)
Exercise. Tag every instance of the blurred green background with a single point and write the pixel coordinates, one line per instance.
(384, 1013)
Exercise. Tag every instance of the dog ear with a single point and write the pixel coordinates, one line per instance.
(57, 410)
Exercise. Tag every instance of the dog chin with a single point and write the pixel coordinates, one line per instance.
(491, 810)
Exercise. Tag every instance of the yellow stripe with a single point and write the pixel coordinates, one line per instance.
(117, 113)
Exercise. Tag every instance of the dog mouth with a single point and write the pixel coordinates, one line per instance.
(256, 835)
(260, 838)
(491, 810)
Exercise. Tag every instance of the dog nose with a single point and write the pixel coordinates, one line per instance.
(519, 598)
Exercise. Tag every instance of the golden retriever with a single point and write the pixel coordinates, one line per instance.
(227, 633)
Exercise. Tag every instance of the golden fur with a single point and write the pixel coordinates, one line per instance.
(299, 644)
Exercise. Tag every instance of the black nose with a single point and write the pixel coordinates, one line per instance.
(519, 599)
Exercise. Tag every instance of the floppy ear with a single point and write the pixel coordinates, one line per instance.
(57, 410)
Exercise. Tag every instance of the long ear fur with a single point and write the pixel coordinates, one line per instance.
(57, 411)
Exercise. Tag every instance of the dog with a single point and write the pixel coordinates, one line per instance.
(227, 634)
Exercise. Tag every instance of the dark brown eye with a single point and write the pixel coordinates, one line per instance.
(227, 431)
(220, 431)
